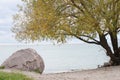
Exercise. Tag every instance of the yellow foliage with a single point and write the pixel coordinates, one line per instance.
(63, 19)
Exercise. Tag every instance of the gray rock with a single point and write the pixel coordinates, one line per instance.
(26, 60)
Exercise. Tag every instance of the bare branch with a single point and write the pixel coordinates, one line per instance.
(118, 30)
(86, 41)
(91, 38)
(80, 37)
(106, 34)
(90, 42)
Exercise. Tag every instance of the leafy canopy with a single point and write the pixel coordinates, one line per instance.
(64, 19)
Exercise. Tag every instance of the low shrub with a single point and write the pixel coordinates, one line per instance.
(2, 67)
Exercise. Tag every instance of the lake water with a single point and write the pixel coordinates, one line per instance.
(62, 58)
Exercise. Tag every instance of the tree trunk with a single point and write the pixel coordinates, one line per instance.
(114, 59)
(116, 49)
(114, 41)
(117, 59)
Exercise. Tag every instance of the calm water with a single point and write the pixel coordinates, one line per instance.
(61, 58)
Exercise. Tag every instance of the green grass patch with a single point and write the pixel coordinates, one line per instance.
(37, 71)
(2, 67)
(13, 76)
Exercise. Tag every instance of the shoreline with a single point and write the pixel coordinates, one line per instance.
(105, 73)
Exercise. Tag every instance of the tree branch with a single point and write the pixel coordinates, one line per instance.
(91, 38)
(118, 30)
(74, 4)
(78, 37)
(90, 42)
(86, 41)
(106, 34)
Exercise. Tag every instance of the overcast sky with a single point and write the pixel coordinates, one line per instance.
(7, 9)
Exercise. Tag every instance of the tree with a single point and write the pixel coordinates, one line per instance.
(91, 21)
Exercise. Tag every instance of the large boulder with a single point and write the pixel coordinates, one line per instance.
(26, 60)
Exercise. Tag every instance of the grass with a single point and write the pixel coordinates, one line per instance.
(2, 67)
(13, 76)
(37, 71)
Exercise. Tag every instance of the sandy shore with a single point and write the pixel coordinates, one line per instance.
(107, 73)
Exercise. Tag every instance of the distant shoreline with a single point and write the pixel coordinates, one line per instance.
(105, 73)
(41, 43)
